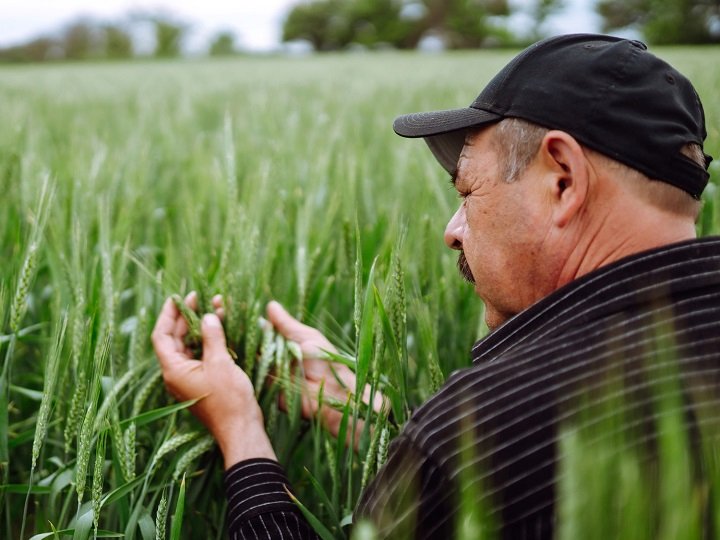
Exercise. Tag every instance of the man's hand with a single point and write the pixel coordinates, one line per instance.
(227, 405)
(319, 370)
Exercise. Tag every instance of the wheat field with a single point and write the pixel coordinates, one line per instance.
(258, 178)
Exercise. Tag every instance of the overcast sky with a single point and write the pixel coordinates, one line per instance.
(256, 22)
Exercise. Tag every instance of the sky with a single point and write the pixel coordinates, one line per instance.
(257, 23)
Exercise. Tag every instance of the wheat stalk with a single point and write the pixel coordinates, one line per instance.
(161, 517)
(110, 398)
(143, 393)
(51, 377)
(193, 338)
(137, 341)
(77, 401)
(267, 356)
(97, 485)
(27, 273)
(129, 455)
(102, 352)
(29, 266)
(370, 456)
(74, 417)
(83, 454)
(172, 444)
(200, 447)
(383, 446)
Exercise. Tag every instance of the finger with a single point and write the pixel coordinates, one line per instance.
(168, 351)
(214, 345)
(192, 300)
(167, 317)
(286, 324)
(217, 302)
(163, 336)
(181, 327)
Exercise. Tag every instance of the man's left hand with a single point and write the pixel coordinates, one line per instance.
(227, 404)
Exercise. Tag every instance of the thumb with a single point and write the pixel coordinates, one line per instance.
(285, 323)
(214, 346)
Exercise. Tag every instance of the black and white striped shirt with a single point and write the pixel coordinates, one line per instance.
(494, 427)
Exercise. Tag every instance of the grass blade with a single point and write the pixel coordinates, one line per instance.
(321, 530)
(176, 529)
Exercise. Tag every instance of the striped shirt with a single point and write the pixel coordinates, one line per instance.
(493, 429)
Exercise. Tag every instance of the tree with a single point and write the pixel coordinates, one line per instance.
(333, 24)
(664, 21)
(169, 36)
(118, 43)
(540, 10)
(319, 22)
(37, 50)
(80, 41)
(467, 23)
(374, 22)
(223, 44)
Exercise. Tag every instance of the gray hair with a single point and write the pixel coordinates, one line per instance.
(518, 141)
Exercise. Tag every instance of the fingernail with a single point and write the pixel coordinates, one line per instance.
(211, 320)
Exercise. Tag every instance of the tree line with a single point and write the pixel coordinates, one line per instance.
(138, 34)
(329, 25)
(338, 24)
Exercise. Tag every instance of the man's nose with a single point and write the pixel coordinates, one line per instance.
(455, 229)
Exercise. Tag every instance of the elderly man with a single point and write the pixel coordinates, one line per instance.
(580, 168)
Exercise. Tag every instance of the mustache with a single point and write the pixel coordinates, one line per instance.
(464, 268)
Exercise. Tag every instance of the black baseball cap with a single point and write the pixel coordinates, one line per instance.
(609, 93)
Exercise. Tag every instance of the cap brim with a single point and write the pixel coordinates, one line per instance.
(443, 131)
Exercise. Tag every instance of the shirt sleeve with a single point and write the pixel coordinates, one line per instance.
(258, 503)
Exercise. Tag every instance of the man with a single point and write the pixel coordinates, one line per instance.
(580, 168)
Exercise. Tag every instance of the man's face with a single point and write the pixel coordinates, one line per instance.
(502, 229)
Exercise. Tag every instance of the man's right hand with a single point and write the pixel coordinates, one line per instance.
(319, 370)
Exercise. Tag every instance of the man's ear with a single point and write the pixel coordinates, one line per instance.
(567, 172)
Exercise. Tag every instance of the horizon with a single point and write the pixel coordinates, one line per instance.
(257, 27)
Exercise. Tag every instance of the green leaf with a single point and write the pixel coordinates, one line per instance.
(121, 491)
(323, 495)
(58, 483)
(320, 529)
(341, 358)
(67, 532)
(4, 398)
(342, 433)
(398, 396)
(83, 525)
(35, 395)
(147, 526)
(156, 414)
(23, 488)
(28, 435)
(365, 342)
(179, 511)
